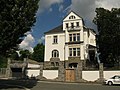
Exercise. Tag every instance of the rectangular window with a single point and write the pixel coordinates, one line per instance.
(55, 39)
(70, 37)
(70, 51)
(52, 64)
(77, 24)
(74, 37)
(74, 51)
(72, 25)
(67, 25)
(57, 63)
(78, 37)
(78, 51)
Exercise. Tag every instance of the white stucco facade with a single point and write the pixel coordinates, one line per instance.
(49, 46)
(71, 39)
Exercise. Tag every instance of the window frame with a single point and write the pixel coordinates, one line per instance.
(78, 36)
(78, 51)
(74, 52)
(55, 54)
(70, 37)
(55, 39)
(72, 25)
(67, 25)
(77, 24)
(75, 37)
(70, 52)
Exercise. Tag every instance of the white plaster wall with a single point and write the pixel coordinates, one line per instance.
(33, 65)
(50, 74)
(86, 41)
(66, 52)
(49, 46)
(109, 74)
(90, 75)
(92, 39)
(94, 75)
(69, 21)
(82, 52)
(33, 72)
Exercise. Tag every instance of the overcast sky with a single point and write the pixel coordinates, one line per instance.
(51, 13)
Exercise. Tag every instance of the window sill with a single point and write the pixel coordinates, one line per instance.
(74, 56)
(54, 43)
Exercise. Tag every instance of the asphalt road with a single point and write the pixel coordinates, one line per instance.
(72, 86)
(45, 85)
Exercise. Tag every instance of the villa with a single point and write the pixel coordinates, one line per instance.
(70, 43)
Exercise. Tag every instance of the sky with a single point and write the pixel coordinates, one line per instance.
(51, 13)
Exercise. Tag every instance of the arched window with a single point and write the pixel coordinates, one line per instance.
(55, 53)
(72, 17)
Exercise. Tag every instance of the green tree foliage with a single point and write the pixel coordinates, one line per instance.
(38, 54)
(16, 18)
(13, 55)
(3, 62)
(24, 54)
(108, 23)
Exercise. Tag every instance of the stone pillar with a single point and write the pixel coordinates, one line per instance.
(79, 72)
(101, 75)
(8, 70)
(61, 72)
(66, 64)
(41, 71)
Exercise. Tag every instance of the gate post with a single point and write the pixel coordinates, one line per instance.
(41, 71)
(8, 70)
(61, 72)
(101, 75)
(79, 72)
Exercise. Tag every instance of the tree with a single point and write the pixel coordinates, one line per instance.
(3, 62)
(38, 54)
(16, 18)
(24, 54)
(14, 55)
(108, 23)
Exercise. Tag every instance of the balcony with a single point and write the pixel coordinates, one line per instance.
(73, 28)
(74, 42)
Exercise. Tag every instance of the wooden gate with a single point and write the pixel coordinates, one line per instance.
(70, 75)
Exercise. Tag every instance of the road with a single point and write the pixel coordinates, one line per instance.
(72, 86)
(46, 85)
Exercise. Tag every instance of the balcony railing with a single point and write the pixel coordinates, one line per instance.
(72, 28)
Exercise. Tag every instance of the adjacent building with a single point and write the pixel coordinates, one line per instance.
(70, 43)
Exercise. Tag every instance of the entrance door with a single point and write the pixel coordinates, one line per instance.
(70, 75)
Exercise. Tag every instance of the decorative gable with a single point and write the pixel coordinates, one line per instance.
(72, 22)
(72, 16)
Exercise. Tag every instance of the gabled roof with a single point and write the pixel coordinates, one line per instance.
(79, 17)
(58, 29)
(74, 13)
(87, 29)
